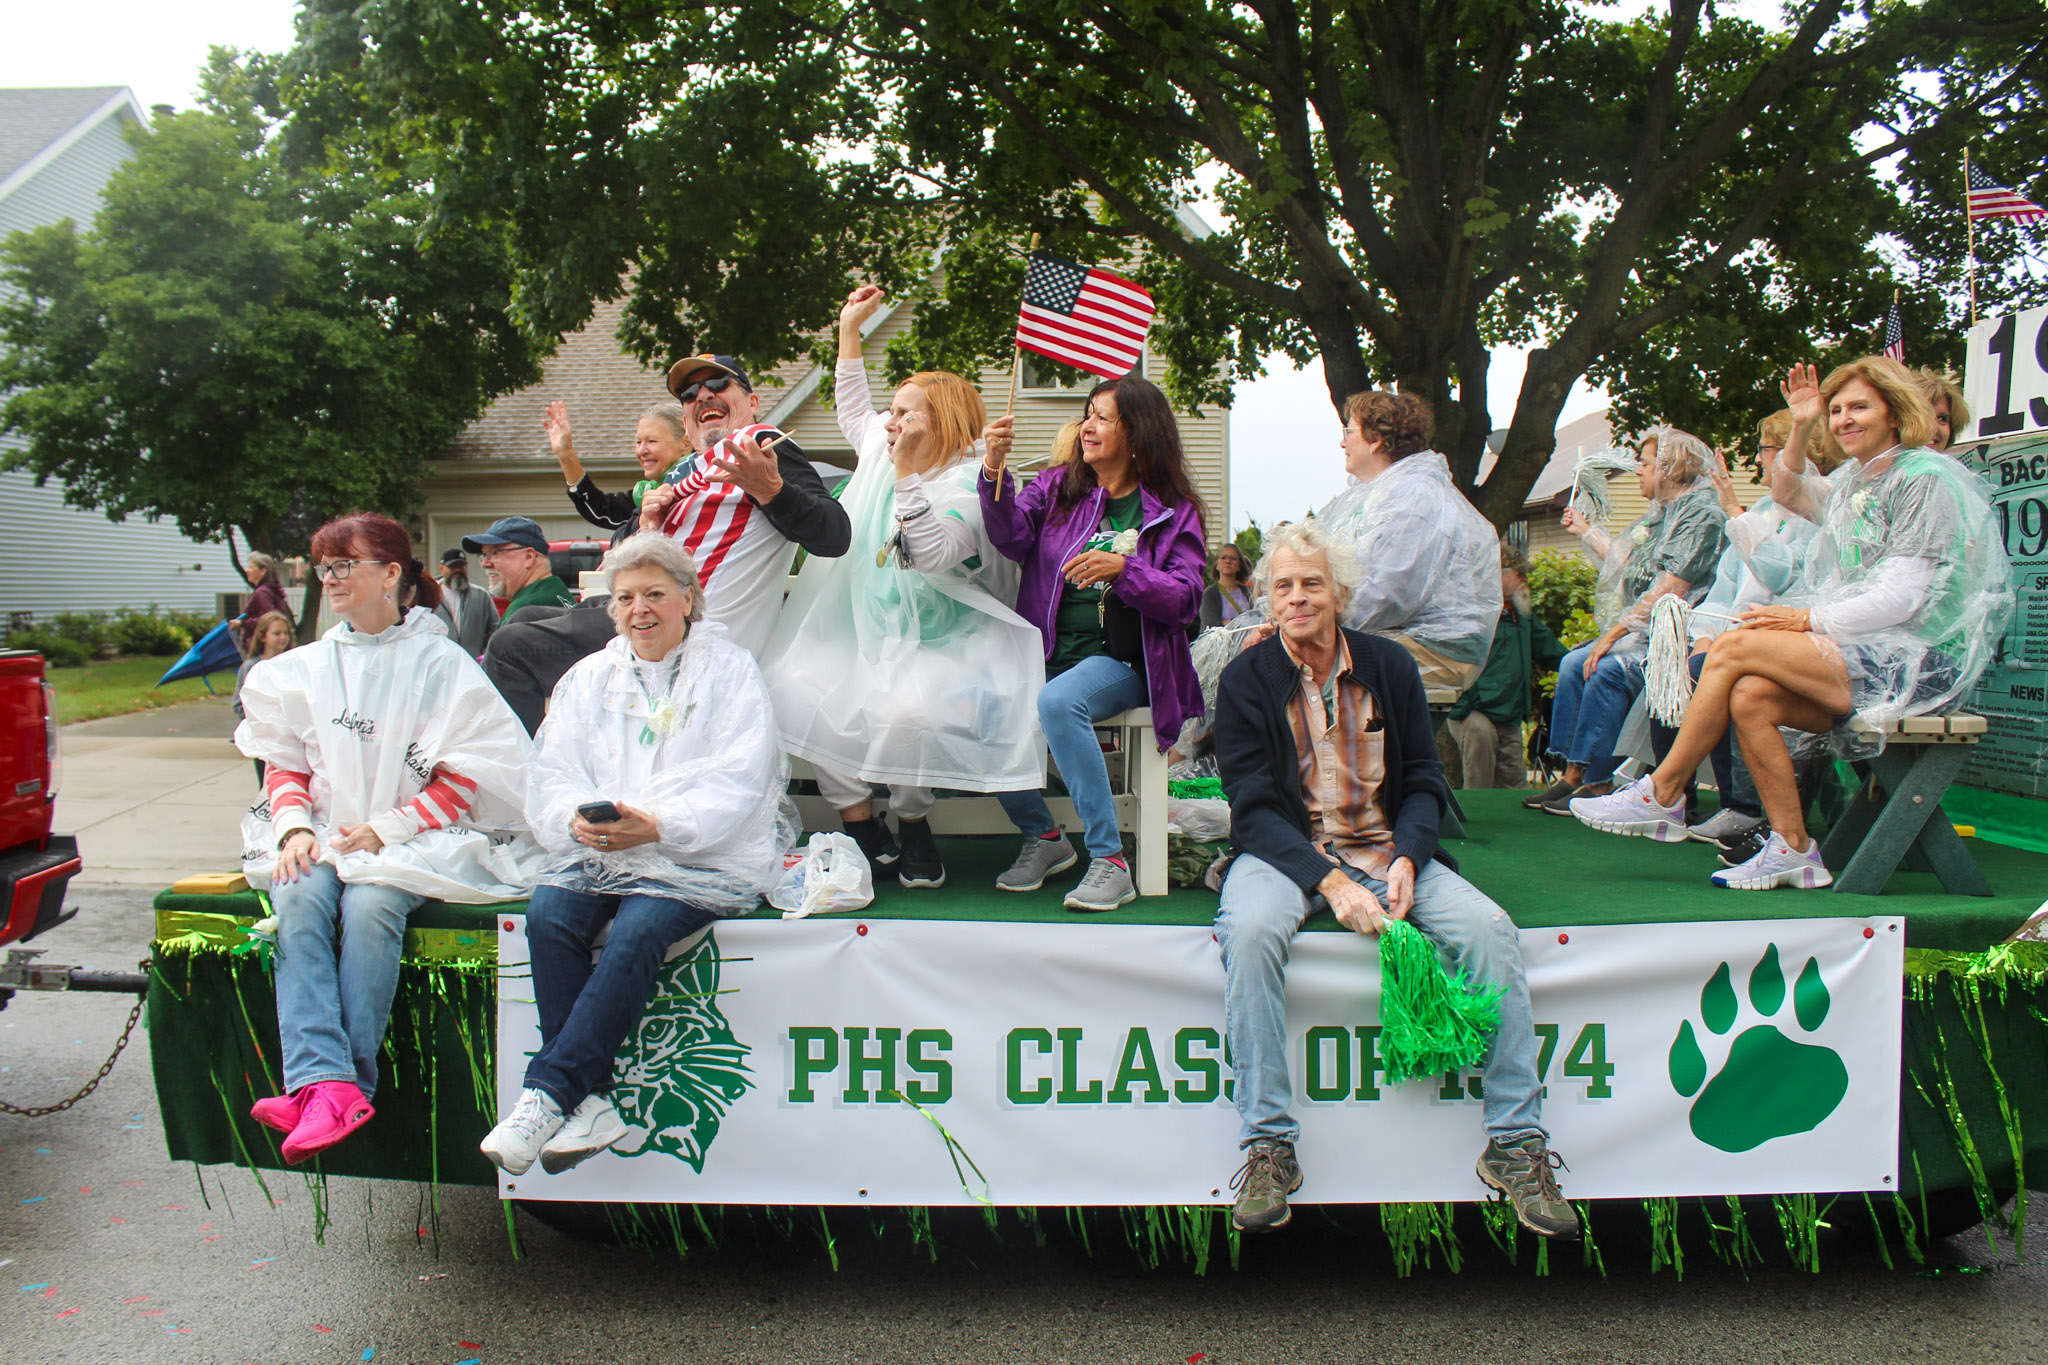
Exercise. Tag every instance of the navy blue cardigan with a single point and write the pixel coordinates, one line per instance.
(1261, 770)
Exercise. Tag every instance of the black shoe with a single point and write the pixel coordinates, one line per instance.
(1738, 849)
(919, 865)
(1562, 804)
(1550, 793)
(873, 837)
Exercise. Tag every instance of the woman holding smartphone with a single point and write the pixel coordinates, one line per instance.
(658, 799)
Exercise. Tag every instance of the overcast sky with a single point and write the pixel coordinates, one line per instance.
(1283, 431)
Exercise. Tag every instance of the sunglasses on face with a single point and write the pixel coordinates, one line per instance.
(690, 392)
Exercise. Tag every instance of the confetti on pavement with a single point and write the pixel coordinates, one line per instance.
(37, 1200)
(318, 1328)
(267, 1260)
(469, 1345)
(139, 1298)
(44, 1285)
(117, 1220)
(369, 1353)
(51, 1292)
(67, 1312)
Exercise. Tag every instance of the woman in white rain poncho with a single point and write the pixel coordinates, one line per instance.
(669, 724)
(902, 662)
(1906, 594)
(1670, 550)
(1432, 563)
(395, 773)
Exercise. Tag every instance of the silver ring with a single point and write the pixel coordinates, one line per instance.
(604, 841)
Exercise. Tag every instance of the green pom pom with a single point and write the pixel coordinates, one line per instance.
(1196, 789)
(1431, 1021)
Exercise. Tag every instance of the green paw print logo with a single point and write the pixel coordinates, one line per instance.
(1769, 1086)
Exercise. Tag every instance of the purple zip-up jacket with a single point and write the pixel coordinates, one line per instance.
(1162, 582)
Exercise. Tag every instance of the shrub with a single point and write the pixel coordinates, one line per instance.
(88, 628)
(194, 623)
(1560, 585)
(140, 632)
(57, 651)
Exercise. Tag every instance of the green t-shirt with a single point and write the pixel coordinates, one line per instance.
(548, 591)
(1077, 630)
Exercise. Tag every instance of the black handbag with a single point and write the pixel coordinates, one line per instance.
(1123, 633)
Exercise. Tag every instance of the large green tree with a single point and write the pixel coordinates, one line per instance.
(1673, 202)
(244, 345)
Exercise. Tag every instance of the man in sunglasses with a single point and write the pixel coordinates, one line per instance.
(742, 503)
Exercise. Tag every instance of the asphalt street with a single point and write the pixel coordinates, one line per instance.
(110, 1252)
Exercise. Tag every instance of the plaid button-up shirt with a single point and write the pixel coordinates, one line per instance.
(1341, 745)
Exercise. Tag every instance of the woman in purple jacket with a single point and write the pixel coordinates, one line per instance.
(1111, 545)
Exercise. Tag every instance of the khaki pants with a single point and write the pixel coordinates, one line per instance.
(1438, 670)
(1492, 753)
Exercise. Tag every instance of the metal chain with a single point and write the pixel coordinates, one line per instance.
(100, 1075)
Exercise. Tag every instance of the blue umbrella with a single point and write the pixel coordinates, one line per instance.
(214, 652)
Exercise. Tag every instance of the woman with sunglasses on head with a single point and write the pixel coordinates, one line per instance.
(1906, 593)
(395, 773)
(903, 661)
(1113, 553)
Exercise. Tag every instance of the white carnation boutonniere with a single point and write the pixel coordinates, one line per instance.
(1641, 535)
(1124, 543)
(664, 719)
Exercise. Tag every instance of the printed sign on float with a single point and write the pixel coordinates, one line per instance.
(2012, 696)
(892, 1062)
(2005, 378)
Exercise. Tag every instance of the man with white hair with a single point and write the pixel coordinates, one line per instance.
(1323, 742)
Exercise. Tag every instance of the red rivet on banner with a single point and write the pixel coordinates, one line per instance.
(508, 926)
(1870, 933)
(1564, 938)
(861, 929)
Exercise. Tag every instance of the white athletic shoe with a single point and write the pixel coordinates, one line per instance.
(1778, 865)
(594, 1126)
(1722, 824)
(1633, 810)
(520, 1135)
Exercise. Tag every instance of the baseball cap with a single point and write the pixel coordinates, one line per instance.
(455, 556)
(507, 531)
(694, 366)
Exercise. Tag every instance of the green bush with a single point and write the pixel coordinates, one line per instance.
(88, 628)
(1560, 586)
(57, 651)
(141, 632)
(194, 623)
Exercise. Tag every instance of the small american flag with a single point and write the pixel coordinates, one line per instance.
(1895, 335)
(1091, 319)
(1989, 199)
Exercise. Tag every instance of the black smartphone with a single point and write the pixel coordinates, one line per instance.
(599, 813)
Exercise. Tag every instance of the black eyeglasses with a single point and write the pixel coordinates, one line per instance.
(338, 569)
(688, 393)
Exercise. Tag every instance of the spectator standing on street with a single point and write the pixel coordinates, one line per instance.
(468, 611)
(266, 595)
(515, 553)
(1487, 719)
(661, 442)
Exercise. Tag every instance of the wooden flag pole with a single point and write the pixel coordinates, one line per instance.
(1016, 369)
(1970, 228)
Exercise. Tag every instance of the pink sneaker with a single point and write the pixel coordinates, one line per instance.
(281, 1112)
(333, 1110)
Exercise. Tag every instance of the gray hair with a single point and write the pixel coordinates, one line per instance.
(1307, 540)
(670, 412)
(262, 563)
(655, 550)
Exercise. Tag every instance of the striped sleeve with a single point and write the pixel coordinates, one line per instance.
(291, 800)
(442, 803)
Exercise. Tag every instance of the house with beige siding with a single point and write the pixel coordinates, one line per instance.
(500, 464)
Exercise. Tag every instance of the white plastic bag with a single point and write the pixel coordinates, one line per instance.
(834, 876)
(1201, 818)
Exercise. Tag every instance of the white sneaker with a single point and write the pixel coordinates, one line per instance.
(1778, 865)
(1633, 810)
(1722, 824)
(593, 1127)
(518, 1138)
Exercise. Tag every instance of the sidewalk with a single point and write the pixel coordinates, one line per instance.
(156, 795)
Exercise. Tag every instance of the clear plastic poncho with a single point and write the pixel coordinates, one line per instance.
(1681, 533)
(894, 675)
(1923, 506)
(690, 739)
(1432, 563)
(1767, 549)
(371, 717)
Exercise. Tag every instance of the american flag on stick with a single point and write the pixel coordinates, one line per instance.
(1989, 199)
(1092, 319)
(1895, 334)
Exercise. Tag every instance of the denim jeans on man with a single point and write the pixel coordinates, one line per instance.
(1731, 775)
(1261, 912)
(586, 1012)
(1093, 689)
(1587, 714)
(333, 1004)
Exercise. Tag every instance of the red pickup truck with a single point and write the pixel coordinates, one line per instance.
(35, 865)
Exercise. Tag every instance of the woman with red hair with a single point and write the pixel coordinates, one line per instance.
(395, 773)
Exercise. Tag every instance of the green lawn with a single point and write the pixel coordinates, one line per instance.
(117, 686)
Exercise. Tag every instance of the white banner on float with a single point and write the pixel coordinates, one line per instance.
(845, 1061)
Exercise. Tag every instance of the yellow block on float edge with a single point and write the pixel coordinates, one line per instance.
(211, 884)
(1967, 831)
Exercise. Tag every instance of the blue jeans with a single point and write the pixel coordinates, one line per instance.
(1731, 778)
(1068, 708)
(1261, 912)
(586, 1012)
(1587, 714)
(333, 1003)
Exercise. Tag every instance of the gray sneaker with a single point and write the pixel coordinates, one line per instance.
(1037, 860)
(1523, 1171)
(1722, 824)
(1269, 1174)
(1106, 886)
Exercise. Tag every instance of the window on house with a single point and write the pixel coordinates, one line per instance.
(1043, 376)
